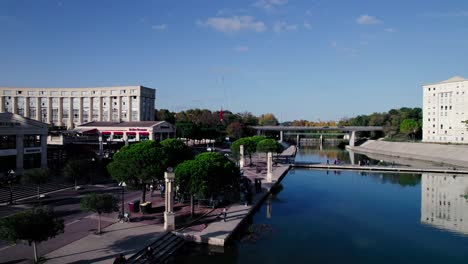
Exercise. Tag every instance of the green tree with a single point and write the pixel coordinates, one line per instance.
(76, 170)
(208, 174)
(250, 146)
(409, 126)
(174, 151)
(138, 164)
(99, 203)
(37, 176)
(32, 225)
(235, 130)
(165, 115)
(268, 120)
(269, 145)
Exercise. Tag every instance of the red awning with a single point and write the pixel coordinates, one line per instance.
(131, 133)
(105, 133)
(118, 133)
(144, 133)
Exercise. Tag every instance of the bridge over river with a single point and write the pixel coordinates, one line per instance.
(349, 129)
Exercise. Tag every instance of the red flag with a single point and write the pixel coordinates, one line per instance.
(221, 113)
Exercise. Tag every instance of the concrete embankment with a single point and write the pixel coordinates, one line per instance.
(455, 155)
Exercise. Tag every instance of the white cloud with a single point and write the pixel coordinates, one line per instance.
(241, 49)
(281, 26)
(162, 27)
(368, 20)
(307, 25)
(234, 24)
(269, 5)
(390, 30)
(229, 11)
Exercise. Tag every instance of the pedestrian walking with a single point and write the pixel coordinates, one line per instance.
(224, 214)
(149, 252)
(120, 259)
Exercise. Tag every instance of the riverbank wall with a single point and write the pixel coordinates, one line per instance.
(450, 155)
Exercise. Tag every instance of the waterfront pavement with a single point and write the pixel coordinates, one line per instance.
(129, 238)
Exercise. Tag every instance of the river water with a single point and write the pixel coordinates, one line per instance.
(350, 217)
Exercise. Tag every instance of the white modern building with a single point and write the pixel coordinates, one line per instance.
(74, 106)
(23, 143)
(445, 108)
(444, 202)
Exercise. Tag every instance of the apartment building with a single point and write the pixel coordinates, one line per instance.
(71, 107)
(445, 108)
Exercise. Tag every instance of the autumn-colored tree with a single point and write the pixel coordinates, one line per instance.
(268, 120)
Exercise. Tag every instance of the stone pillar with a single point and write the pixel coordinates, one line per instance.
(352, 138)
(80, 111)
(270, 167)
(241, 154)
(129, 107)
(281, 135)
(125, 138)
(60, 111)
(111, 109)
(49, 111)
(19, 154)
(14, 105)
(100, 109)
(351, 157)
(38, 109)
(169, 215)
(119, 108)
(297, 140)
(71, 115)
(91, 109)
(44, 151)
(2, 104)
(26, 106)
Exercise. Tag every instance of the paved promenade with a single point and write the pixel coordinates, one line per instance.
(129, 238)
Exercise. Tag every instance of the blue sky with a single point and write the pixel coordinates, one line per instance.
(315, 60)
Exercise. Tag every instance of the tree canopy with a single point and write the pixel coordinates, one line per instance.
(37, 176)
(269, 145)
(32, 225)
(99, 203)
(409, 126)
(268, 120)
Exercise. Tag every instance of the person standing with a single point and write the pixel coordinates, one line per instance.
(224, 214)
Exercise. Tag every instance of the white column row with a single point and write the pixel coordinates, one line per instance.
(70, 123)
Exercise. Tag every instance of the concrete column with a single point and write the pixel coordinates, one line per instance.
(111, 109)
(138, 109)
(38, 109)
(297, 140)
(19, 154)
(119, 108)
(125, 138)
(169, 215)
(80, 111)
(14, 105)
(241, 155)
(49, 111)
(281, 135)
(129, 107)
(100, 109)
(2, 104)
(44, 151)
(351, 157)
(70, 113)
(60, 111)
(270, 167)
(91, 110)
(352, 138)
(26, 106)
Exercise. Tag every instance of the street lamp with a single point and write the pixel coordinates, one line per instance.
(123, 184)
(10, 180)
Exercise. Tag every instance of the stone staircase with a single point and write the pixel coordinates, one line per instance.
(163, 248)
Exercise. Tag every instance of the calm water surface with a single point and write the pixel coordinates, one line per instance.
(348, 217)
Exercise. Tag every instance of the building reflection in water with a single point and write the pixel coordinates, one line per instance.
(443, 202)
